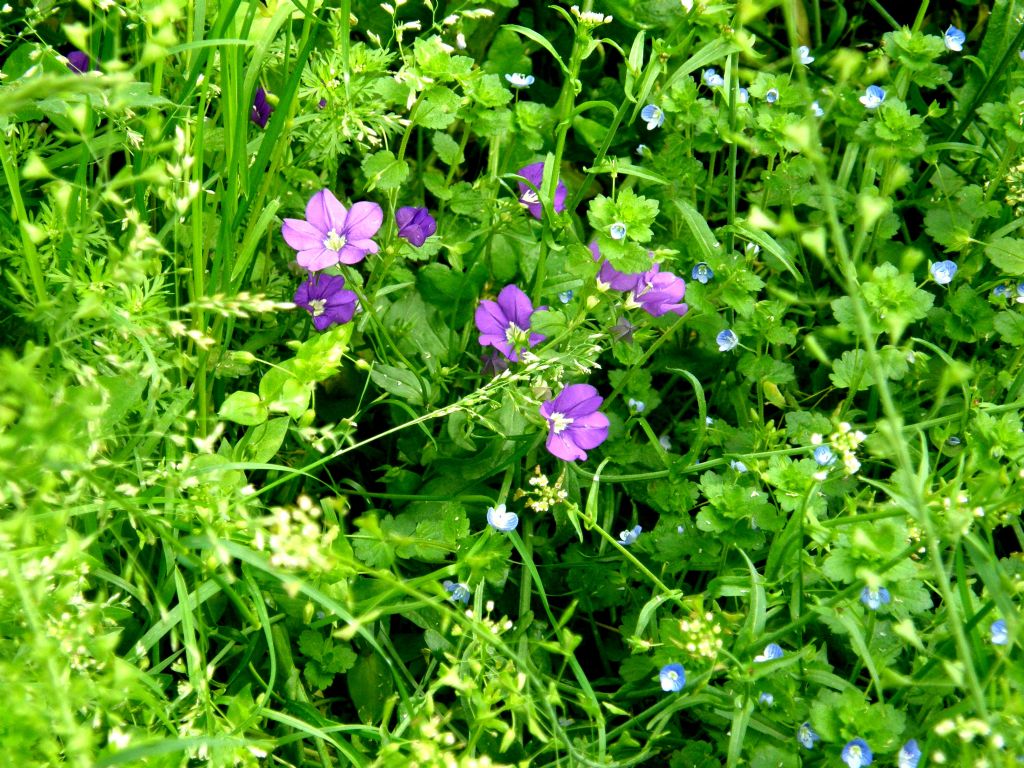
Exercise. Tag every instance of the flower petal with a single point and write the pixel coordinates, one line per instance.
(589, 431)
(516, 305)
(324, 212)
(317, 258)
(577, 400)
(363, 221)
(352, 253)
(301, 235)
(563, 447)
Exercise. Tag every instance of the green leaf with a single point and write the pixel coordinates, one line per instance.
(244, 408)
(1010, 327)
(438, 108)
(703, 240)
(1007, 254)
(370, 686)
(262, 441)
(447, 148)
(384, 171)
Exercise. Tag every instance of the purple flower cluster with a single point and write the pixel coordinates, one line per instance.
(331, 235)
(654, 291)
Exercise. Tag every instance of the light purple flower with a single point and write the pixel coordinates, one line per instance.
(998, 632)
(658, 292)
(909, 756)
(327, 300)
(875, 598)
(534, 173)
(772, 651)
(574, 424)
(500, 519)
(857, 753)
(672, 677)
(630, 535)
(261, 108)
(415, 224)
(608, 277)
(79, 62)
(458, 592)
(331, 235)
(505, 324)
(806, 735)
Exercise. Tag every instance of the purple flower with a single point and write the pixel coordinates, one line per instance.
(78, 61)
(658, 292)
(261, 108)
(575, 425)
(331, 235)
(327, 300)
(415, 224)
(534, 174)
(623, 331)
(494, 363)
(505, 324)
(322, 104)
(608, 277)
(672, 677)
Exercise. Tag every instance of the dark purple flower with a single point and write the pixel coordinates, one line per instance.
(534, 173)
(623, 331)
(78, 61)
(505, 324)
(331, 235)
(261, 108)
(574, 423)
(658, 292)
(321, 104)
(494, 363)
(609, 277)
(327, 300)
(415, 224)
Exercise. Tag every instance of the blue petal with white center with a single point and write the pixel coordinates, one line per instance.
(653, 116)
(857, 753)
(672, 678)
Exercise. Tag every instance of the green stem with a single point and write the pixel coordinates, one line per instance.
(35, 269)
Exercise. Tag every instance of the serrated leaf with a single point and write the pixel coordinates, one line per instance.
(438, 108)
(384, 171)
(447, 148)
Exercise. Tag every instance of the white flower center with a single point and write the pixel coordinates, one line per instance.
(529, 197)
(559, 421)
(516, 336)
(318, 305)
(334, 241)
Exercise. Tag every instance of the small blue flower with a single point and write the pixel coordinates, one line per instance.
(708, 421)
(637, 406)
(875, 598)
(665, 442)
(999, 633)
(617, 231)
(672, 677)
(824, 456)
(816, 109)
(457, 591)
(804, 54)
(953, 441)
(519, 80)
(642, 150)
(712, 79)
(702, 273)
(909, 756)
(873, 97)
(1020, 293)
(629, 537)
(766, 698)
(742, 96)
(565, 296)
(942, 272)
(772, 95)
(806, 735)
(772, 651)
(502, 520)
(727, 340)
(653, 115)
(739, 466)
(1002, 291)
(954, 39)
(857, 753)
